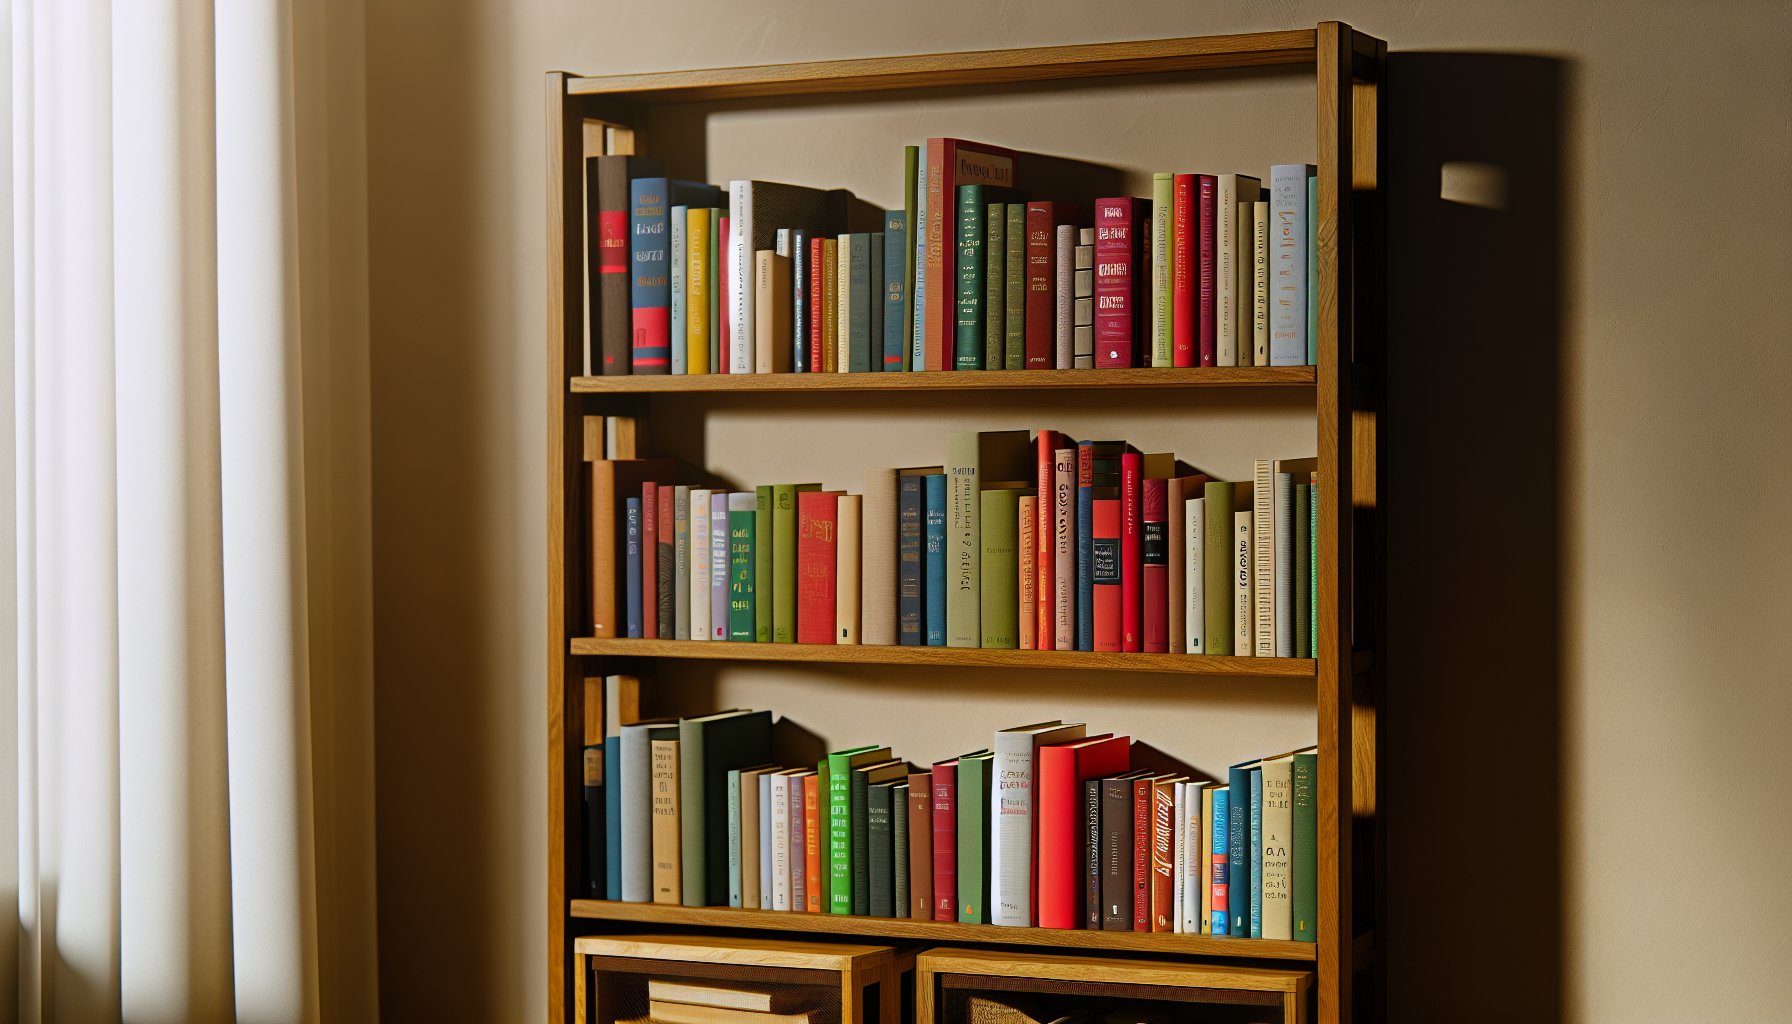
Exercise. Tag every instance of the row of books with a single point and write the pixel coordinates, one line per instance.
(1017, 541)
(1049, 826)
(1210, 270)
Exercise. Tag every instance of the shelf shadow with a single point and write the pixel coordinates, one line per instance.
(1471, 485)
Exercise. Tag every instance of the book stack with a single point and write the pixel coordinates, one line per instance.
(973, 273)
(690, 1001)
(1016, 540)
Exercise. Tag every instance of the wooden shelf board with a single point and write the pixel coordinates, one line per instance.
(861, 654)
(944, 931)
(973, 67)
(1142, 377)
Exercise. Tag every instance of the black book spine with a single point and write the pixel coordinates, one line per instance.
(877, 817)
(1092, 854)
(909, 571)
(858, 805)
(1116, 855)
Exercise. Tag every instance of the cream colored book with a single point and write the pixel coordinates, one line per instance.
(667, 856)
(1207, 860)
(1243, 635)
(1263, 559)
(692, 1013)
(877, 569)
(1260, 284)
(1232, 189)
(846, 569)
(723, 995)
(843, 304)
(750, 875)
(1278, 847)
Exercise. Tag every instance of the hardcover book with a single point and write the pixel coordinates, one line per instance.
(843, 849)
(757, 209)
(1063, 769)
(816, 563)
(847, 550)
(667, 853)
(1304, 858)
(718, 565)
(1240, 881)
(878, 559)
(784, 558)
(1163, 192)
(633, 566)
(1220, 857)
(1064, 544)
(607, 188)
(1154, 544)
(772, 345)
(1277, 843)
(635, 805)
(1106, 599)
(857, 300)
(1014, 270)
(650, 576)
(1231, 243)
(974, 262)
(945, 840)
(665, 535)
(1207, 252)
(1288, 263)
(951, 163)
(1013, 819)
(973, 793)
(1132, 529)
(1118, 225)
(909, 572)
(933, 594)
(1216, 565)
(1185, 216)
(920, 845)
(763, 571)
(742, 512)
(1000, 569)
(709, 747)
(650, 293)
(898, 264)
(971, 460)
(1041, 281)
(612, 482)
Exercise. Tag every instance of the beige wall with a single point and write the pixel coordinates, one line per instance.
(1673, 695)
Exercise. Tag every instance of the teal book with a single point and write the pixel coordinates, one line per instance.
(715, 293)
(741, 514)
(995, 287)
(875, 303)
(763, 575)
(1256, 853)
(974, 772)
(1014, 318)
(734, 889)
(835, 771)
(708, 749)
(880, 812)
(858, 320)
(783, 596)
(1304, 869)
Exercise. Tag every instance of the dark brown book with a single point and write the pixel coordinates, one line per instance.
(613, 481)
(1117, 851)
(606, 181)
(920, 846)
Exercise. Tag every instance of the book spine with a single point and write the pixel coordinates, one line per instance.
(878, 559)
(718, 565)
(1185, 332)
(1011, 830)
(735, 891)
(1163, 188)
(964, 534)
(1313, 546)
(899, 862)
(1085, 547)
(998, 595)
(1045, 562)
(1132, 553)
(841, 360)
(968, 279)
(1106, 550)
(632, 566)
(895, 292)
(1028, 596)
(1040, 334)
(1238, 849)
(592, 813)
(1263, 559)
(859, 280)
(919, 838)
(740, 277)
(880, 869)
(829, 346)
(605, 546)
(1175, 575)
(1058, 796)
(700, 540)
(1278, 822)
(1219, 851)
(1225, 271)
(1205, 227)
(1303, 569)
(875, 302)
(799, 300)
(795, 846)
(697, 292)
(1064, 550)
(784, 559)
(681, 562)
(933, 591)
(847, 549)
(765, 841)
(1183, 922)
(1163, 860)
(693, 768)
(994, 287)
(613, 842)
(1312, 270)
(1014, 318)
(716, 274)
(650, 570)
(753, 895)
(667, 857)
(839, 866)
(778, 812)
(771, 312)
(1090, 895)
(1154, 554)
(909, 570)
(1216, 567)
(650, 296)
(677, 223)
(913, 180)
(1116, 855)
(764, 575)
(1064, 278)
(636, 808)
(816, 563)
(945, 842)
(941, 315)
(973, 841)
(1201, 870)
(1194, 539)
(1260, 283)
(860, 850)
(1243, 607)
(818, 295)
(1284, 582)
(1115, 258)
(666, 613)
(814, 896)
(1141, 854)
(1288, 265)
(918, 287)
(1256, 853)
(1304, 857)
(608, 195)
(742, 618)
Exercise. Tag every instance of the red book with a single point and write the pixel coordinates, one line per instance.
(919, 846)
(1141, 852)
(650, 560)
(1063, 824)
(817, 308)
(816, 553)
(1132, 633)
(951, 163)
(1106, 535)
(812, 842)
(1154, 578)
(1163, 853)
(1042, 276)
(1206, 218)
(945, 840)
(665, 561)
(1045, 552)
(1117, 235)
(1185, 336)
(722, 296)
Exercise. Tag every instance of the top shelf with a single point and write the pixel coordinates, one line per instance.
(974, 67)
(1035, 380)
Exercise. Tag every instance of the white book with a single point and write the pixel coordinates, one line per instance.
(1179, 857)
(1288, 264)
(1260, 284)
(718, 565)
(678, 330)
(1013, 827)
(636, 771)
(842, 305)
(918, 237)
(1064, 335)
(1263, 560)
(782, 245)
(765, 841)
(1243, 636)
(1230, 189)
(780, 844)
(1194, 535)
(1277, 911)
(1064, 549)
(740, 276)
(681, 561)
(1195, 842)
(699, 563)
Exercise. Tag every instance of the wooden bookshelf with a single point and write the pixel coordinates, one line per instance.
(1344, 388)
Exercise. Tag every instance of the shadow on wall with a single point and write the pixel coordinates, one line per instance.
(1473, 183)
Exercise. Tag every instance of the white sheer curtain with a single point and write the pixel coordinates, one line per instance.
(164, 806)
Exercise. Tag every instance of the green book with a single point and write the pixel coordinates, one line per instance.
(880, 813)
(835, 772)
(972, 302)
(1000, 618)
(899, 849)
(1161, 246)
(715, 293)
(1014, 319)
(911, 172)
(858, 317)
(763, 581)
(740, 566)
(974, 771)
(995, 286)
(708, 749)
(1304, 873)
(1216, 565)
(1303, 570)
(1000, 456)
(783, 547)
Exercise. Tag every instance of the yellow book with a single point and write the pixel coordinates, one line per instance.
(830, 296)
(667, 856)
(842, 305)
(697, 284)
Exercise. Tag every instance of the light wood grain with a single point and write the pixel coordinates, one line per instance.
(1010, 380)
(860, 654)
(749, 951)
(1130, 972)
(973, 67)
(942, 931)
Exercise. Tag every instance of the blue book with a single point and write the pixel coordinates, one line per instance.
(1221, 921)
(679, 352)
(933, 590)
(799, 301)
(650, 265)
(910, 526)
(1257, 853)
(1288, 212)
(634, 567)
(1313, 271)
(1085, 546)
(1239, 880)
(858, 317)
(734, 886)
(613, 817)
(895, 291)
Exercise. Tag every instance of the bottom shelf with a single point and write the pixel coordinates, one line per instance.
(943, 931)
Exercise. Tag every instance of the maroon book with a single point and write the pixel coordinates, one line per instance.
(1132, 634)
(817, 548)
(1155, 576)
(1042, 275)
(1117, 279)
(1204, 228)
(945, 840)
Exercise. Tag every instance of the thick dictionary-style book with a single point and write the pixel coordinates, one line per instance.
(1313, 270)
(678, 224)
(1163, 854)
(1064, 546)
(633, 566)
(1105, 550)
(898, 262)
(650, 572)
(919, 840)
(636, 802)
(974, 262)
(772, 348)
(878, 566)
(899, 864)
(945, 840)
(719, 590)
(972, 460)
(763, 573)
(933, 591)
(817, 512)
(1064, 328)
(1278, 826)
(1028, 595)
(1014, 270)
(880, 813)
(1154, 554)
(999, 618)
(709, 747)
(1207, 223)
(1062, 770)
(1045, 564)
(612, 481)
(681, 562)
(1041, 298)
(1256, 852)
(1287, 539)
(650, 290)
(607, 188)
(1216, 559)
(784, 556)
(1014, 821)
(858, 293)
(973, 792)
(842, 851)
(1119, 223)
(668, 852)
(951, 163)
(1132, 633)
(848, 511)
(1288, 263)
(1303, 569)
(1232, 249)
(910, 508)
(799, 301)
(1219, 852)
(1240, 883)
(1304, 836)
(1163, 198)
(757, 209)
(742, 620)
(665, 585)
(1117, 852)
(1185, 332)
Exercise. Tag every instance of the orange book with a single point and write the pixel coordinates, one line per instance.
(1029, 599)
(814, 894)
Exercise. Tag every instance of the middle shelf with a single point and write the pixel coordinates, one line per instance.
(866, 654)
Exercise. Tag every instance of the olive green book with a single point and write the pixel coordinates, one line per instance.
(1014, 318)
(974, 772)
(1304, 876)
(763, 581)
(1000, 616)
(1216, 563)
(911, 172)
(973, 460)
(783, 549)
(995, 286)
